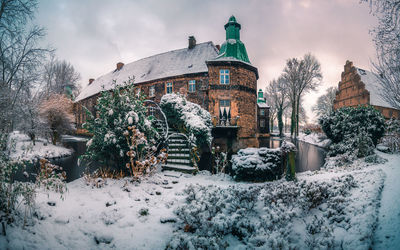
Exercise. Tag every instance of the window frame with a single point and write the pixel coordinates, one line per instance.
(192, 83)
(224, 76)
(167, 86)
(262, 123)
(152, 91)
(262, 112)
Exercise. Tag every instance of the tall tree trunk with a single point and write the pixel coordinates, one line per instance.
(293, 121)
(272, 125)
(297, 116)
(280, 121)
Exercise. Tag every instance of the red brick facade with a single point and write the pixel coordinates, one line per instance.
(352, 91)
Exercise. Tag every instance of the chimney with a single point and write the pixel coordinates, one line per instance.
(192, 42)
(91, 80)
(120, 65)
(218, 47)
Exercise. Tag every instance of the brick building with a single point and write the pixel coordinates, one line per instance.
(220, 79)
(361, 87)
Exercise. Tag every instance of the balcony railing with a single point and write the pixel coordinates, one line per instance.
(225, 122)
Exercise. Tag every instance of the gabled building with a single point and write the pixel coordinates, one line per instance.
(220, 79)
(362, 87)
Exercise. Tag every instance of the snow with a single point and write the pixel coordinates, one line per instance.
(319, 140)
(262, 105)
(172, 63)
(371, 81)
(387, 235)
(335, 208)
(25, 150)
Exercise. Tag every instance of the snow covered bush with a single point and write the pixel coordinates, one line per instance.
(353, 129)
(392, 136)
(188, 118)
(57, 113)
(220, 160)
(117, 111)
(51, 177)
(257, 164)
(273, 215)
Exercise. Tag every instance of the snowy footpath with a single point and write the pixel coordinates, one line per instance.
(387, 235)
(349, 207)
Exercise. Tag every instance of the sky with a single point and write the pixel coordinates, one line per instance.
(93, 35)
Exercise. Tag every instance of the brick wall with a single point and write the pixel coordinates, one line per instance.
(242, 92)
(352, 92)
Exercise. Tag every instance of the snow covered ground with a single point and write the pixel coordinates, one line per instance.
(316, 139)
(24, 149)
(337, 208)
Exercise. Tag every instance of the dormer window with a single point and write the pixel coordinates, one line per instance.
(224, 76)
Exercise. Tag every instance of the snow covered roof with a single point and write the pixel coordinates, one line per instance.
(168, 64)
(371, 81)
(262, 105)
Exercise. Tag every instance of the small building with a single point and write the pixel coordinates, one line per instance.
(221, 79)
(362, 87)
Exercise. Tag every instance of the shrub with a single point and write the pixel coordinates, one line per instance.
(57, 113)
(392, 136)
(116, 112)
(188, 118)
(353, 129)
(252, 164)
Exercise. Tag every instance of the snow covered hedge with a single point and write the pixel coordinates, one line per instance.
(308, 214)
(257, 164)
(353, 130)
(188, 118)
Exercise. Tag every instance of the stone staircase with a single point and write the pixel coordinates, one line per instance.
(178, 153)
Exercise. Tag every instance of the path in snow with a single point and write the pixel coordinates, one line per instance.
(387, 235)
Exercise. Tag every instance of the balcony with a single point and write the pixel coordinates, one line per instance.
(225, 122)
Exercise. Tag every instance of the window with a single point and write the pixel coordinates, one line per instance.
(224, 76)
(262, 112)
(152, 91)
(169, 87)
(192, 86)
(224, 111)
(262, 123)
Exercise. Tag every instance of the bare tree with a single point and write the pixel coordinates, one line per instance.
(324, 103)
(277, 92)
(272, 108)
(20, 55)
(60, 77)
(57, 112)
(387, 42)
(301, 75)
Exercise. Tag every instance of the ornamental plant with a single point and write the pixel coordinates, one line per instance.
(188, 118)
(116, 111)
(355, 130)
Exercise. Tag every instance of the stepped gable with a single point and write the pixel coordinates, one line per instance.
(173, 63)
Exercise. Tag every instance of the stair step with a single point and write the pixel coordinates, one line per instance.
(178, 161)
(180, 168)
(172, 155)
(178, 150)
(180, 145)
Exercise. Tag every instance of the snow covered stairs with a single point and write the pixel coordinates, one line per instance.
(178, 154)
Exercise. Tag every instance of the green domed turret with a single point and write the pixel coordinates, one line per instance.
(233, 47)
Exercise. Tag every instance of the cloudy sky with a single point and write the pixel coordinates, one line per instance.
(94, 35)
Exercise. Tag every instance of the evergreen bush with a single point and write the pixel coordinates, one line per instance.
(188, 118)
(116, 111)
(353, 130)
